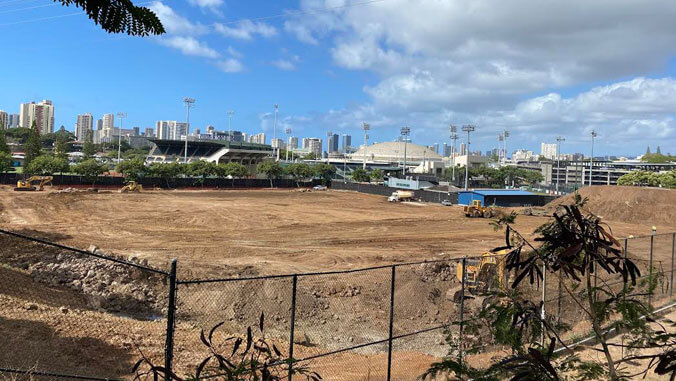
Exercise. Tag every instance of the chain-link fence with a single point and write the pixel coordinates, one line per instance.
(88, 314)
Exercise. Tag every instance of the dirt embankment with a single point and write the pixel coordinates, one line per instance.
(644, 206)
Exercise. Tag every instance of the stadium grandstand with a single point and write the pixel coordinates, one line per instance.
(216, 151)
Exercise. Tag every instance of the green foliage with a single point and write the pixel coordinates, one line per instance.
(324, 171)
(135, 153)
(88, 148)
(3, 142)
(271, 169)
(47, 165)
(658, 158)
(299, 171)
(33, 146)
(133, 169)
(232, 169)
(166, 171)
(649, 179)
(18, 135)
(376, 175)
(5, 162)
(119, 16)
(360, 175)
(90, 169)
(311, 156)
(62, 146)
(201, 169)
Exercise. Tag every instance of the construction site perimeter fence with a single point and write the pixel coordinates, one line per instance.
(84, 314)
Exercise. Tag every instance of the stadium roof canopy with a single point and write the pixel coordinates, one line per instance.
(393, 152)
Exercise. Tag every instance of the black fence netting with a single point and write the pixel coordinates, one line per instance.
(93, 314)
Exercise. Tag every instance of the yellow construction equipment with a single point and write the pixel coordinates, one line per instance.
(482, 275)
(33, 183)
(478, 210)
(132, 186)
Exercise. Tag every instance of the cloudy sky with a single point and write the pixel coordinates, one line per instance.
(534, 67)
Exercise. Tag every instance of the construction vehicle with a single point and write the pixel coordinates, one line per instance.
(401, 195)
(477, 210)
(132, 186)
(34, 183)
(482, 275)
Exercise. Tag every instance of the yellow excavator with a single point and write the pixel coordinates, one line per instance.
(482, 275)
(478, 210)
(34, 183)
(132, 186)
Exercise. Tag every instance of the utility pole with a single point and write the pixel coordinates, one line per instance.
(454, 138)
(405, 132)
(275, 133)
(591, 159)
(120, 115)
(467, 128)
(559, 139)
(230, 125)
(288, 142)
(366, 127)
(189, 102)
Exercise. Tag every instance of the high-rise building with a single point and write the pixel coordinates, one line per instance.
(85, 124)
(293, 142)
(13, 120)
(306, 143)
(436, 148)
(137, 131)
(99, 124)
(463, 149)
(548, 150)
(171, 129)
(315, 146)
(42, 113)
(149, 132)
(447, 150)
(210, 130)
(4, 120)
(278, 143)
(257, 138)
(347, 142)
(108, 127)
(332, 144)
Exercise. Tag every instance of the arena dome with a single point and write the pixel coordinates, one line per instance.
(393, 152)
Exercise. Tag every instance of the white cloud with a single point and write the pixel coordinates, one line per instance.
(230, 65)
(246, 30)
(284, 64)
(206, 3)
(190, 46)
(231, 51)
(173, 22)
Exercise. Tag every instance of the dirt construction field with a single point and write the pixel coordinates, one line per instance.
(260, 231)
(76, 315)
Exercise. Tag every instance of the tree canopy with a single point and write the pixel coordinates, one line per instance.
(271, 169)
(649, 179)
(47, 165)
(33, 146)
(120, 16)
(132, 169)
(5, 162)
(90, 169)
(360, 175)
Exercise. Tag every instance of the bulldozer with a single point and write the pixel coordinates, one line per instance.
(477, 210)
(131, 186)
(34, 183)
(482, 275)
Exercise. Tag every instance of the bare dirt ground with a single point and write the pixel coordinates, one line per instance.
(248, 232)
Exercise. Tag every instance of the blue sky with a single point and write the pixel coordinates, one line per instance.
(331, 64)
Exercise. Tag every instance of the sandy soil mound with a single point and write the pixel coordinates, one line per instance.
(628, 204)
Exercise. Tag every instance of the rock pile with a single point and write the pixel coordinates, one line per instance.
(437, 271)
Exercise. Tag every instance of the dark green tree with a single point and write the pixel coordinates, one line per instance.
(133, 170)
(5, 162)
(47, 165)
(658, 150)
(166, 171)
(325, 172)
(201, 169)
(90, 169)
(3, 141)
(271, 169)
(119, 16)
(647, 151)
(88, 148)
(376, 175)
(61, 146)
(299, 171)
(18, 135)
(360, 175)
(33, 146)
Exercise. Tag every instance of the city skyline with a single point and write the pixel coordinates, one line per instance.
(328, 73)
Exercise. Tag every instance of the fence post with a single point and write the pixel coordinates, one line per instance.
(462, 313)
(671, 283)
(560, 300)
(626, 255)
(293, 323)
(544, 297)
(389, 341)
(171, 314)
(650, 268)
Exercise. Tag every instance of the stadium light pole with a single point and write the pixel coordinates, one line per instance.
(275, 133)
(189, 102)
(467, 128)
(591, 159)
(288, 142)
(559, 139)
(454, 138)
(501, 139)
(366, 127)
(230, 125)
(405, 132)
(120, 115)
(505, 135)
